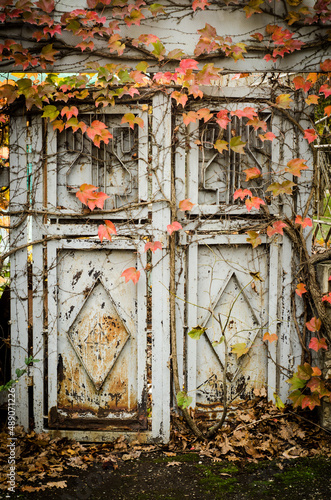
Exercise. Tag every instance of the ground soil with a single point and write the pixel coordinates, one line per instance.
(156, 476)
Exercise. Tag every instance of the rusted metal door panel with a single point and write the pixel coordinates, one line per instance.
(100, 383)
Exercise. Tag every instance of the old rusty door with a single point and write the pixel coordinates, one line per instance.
(221, 272)
(103, 344)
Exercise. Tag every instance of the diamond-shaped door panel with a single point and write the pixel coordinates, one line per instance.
(233, 307)
(98, 334)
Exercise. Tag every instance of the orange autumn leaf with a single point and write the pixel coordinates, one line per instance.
(106, 230)
(185, 205)
(271, 337)
(300, 289)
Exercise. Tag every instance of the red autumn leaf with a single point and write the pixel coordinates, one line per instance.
(295, 166)
(253, 238)
(327, 298)
(314, 325)
(221, 145)
(199, 4)
(326, 90)
(186, 64)
(179, 97)
(276, 228)
(269, 136)
(252, 173)
(254, 202)
(281, 188)
(310, 135)
(300, 289)
(46, 5)
(153, 245)
(247, 112)
(132, 119)
(301, 83)
(98, 132)
(88, 196)
(312, 99)
(222, 118)
(304, 223)
(326, 65)
(284, 101)
(106, 230)
(317, 344)
(258, 36)
(253, 7)
(175, 226)
(271, 337)
(241, 193)
(69, 111)
(310, 401)
(131, 274)
(185, 205)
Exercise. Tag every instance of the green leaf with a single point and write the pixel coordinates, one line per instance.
(237, 145)
(142, 66)
(240, 349)
(196, 332)
(30, 360)
(19, 372)
(296, 382)
(278, 402)
(50, 112)
(183, 400)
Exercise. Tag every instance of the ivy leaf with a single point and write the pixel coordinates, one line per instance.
(300, 289)
(237, 145)
(254, 202)
(326, 65)
(247, 112)
(271, 337)
(297, 398)
(189, 117)
(185, 205)
(304, 223)
(199, 4)
(269, 136)
(317, 344)
(131, 274)
(46, 5)
(312, 99)
(159, 50)
(239, 349)
(327, 111)
(179, 97)
(132, 119)
(278, 402)
(276, 228)
(153, 246)
(253, 7)
(327, 298)
(310, 401)
(50, 112)
(98, 132)
(253, 238)
(183, 400)
(197, 331)
(106, 230)
(221, 145)
(284, 101)
(305, 371)
(326, 90)
(205, 114)
(156, 8)
(252, 173)
(241, 193)
(316, 371)
(281, 188)
(89, 197)
(175, 226)
(222, 118)
(314, 325)
(295, 166)
(310, 135)
(69, 111)
(296, 383)
(301, 83)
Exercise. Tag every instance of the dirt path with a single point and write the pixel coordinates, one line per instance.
(156, 476)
